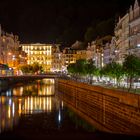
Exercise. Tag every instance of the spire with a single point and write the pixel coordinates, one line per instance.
(131, 9)
(136, 4)
(57, 49)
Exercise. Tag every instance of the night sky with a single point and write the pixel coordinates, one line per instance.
(53, 21)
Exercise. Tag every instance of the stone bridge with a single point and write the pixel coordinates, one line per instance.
(6, 81)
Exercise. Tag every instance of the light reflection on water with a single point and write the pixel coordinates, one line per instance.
(28, 99)
(33, 111)
(41, 88)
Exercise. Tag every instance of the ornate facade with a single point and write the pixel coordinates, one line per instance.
(122, 38)
(57, 59)
(134, 25)
(95, 53)
(39, 53)
(9, 49)
(68, 57)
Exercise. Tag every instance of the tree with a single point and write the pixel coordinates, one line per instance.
(36, 68)
(117, 71)
(101, 31)
(24, 68)
(90, 34)
(81, 66)
(31, 68)
(71, 68)
(113, 70)
(78, 67)
(131, 66)
(90, 69)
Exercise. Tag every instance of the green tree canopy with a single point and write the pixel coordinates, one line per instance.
(82, 67)
(131, 67)
(31, 68)
(71, 68)
(113, 70)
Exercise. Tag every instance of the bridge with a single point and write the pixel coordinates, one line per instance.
(31, 76)
(6, 81)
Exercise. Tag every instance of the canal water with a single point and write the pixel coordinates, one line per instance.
(34, 111)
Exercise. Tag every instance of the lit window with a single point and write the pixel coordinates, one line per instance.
(3, 39)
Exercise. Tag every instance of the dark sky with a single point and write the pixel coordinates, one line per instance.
(47, 21)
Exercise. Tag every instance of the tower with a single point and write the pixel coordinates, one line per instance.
(136, 4)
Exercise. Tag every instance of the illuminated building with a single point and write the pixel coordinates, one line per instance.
(134, 28)
(9, 48)
(122, 38)
(127, 32)
(81, 54)
(56, 59)
(95, 53)
(106, 54)
(39, 53)
(91, 50)
(68, 56)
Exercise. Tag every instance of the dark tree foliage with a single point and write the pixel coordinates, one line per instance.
(131, 67)
(100, 30)
(34, 68)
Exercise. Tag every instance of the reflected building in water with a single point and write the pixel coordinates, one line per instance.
(9, 115)
(12, 107)
(43, 87)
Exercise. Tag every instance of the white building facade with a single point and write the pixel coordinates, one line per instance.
(134, 25)
(122, 38)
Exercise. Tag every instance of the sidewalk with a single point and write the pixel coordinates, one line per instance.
(109, 85)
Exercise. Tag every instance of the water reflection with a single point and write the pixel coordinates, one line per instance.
(29, 99)
(36, 104)
(8, 113)
(39, 88)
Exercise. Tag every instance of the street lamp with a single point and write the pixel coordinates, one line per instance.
(9, 53)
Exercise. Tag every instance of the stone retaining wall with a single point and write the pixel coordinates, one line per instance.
(107, 109)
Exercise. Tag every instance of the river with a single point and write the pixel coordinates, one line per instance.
(34, 111)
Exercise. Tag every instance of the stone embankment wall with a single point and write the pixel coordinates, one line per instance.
(106, 109)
